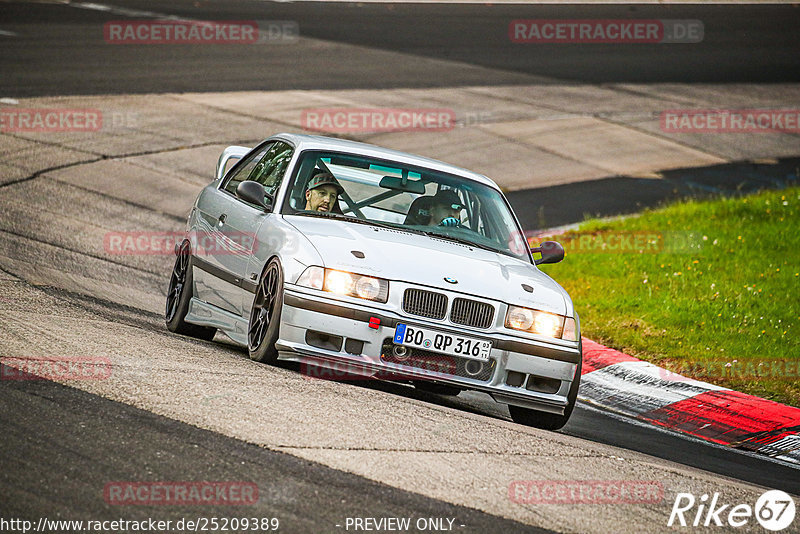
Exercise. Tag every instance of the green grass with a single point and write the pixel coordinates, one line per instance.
(720, 284)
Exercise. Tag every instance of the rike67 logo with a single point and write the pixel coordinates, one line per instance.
(774, 510)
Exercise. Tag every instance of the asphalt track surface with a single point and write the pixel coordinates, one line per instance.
(61, 446)
(70, 442)
(60, 49)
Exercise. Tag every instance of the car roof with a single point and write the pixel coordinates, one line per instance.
(319, 142)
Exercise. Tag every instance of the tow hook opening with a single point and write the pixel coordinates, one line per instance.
(473, 367)
(400, 353)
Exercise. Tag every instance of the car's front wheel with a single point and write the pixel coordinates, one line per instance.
(179, 294)
(265, 316)
(544, 420)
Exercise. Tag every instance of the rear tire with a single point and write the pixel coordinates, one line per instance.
(179, 294)
(545, 420)
(265, 315)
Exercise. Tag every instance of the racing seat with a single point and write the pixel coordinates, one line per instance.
(419, 211)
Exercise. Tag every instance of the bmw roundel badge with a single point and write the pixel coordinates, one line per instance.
(450, 280)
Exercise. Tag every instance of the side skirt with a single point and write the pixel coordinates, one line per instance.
(202, 313)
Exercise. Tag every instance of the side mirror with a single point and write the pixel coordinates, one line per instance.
(551, 251)
(254, 193)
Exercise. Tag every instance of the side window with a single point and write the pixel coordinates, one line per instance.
(245, 169)
(270, 170)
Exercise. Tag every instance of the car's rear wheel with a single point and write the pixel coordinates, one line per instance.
(544, 420)
(179, 294)
(265, 316)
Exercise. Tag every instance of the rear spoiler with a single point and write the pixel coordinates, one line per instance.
(232, 152)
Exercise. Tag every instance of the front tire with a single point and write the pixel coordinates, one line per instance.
(544, 420)
(265, 316)
(179, 294)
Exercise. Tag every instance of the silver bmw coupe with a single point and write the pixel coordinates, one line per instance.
(334, 253)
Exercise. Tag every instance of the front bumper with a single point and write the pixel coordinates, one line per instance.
(336, 334)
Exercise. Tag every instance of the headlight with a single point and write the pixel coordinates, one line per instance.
(570, 330)
(368, 288)
(346, 284)
(542, 323)
(519, 318)
(312, 277)
(338, 282)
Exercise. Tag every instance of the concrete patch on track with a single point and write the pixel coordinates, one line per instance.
(545, 138)
(113, 178)
(131, 125)
(615, 149)
(22, 157)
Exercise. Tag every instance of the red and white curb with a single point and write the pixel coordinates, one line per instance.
(626, 385)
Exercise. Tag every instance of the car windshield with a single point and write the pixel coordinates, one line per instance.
(402, 196)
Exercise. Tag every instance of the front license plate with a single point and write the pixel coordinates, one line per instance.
(433, 340)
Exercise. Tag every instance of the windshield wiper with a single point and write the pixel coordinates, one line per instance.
(340, 217)
(462, 241)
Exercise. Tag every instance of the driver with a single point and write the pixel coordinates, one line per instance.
(322, 192)
(446, 209)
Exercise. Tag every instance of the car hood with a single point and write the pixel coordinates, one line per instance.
(408, 257)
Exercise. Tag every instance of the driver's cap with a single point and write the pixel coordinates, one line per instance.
(325, 178)
(449, 198)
